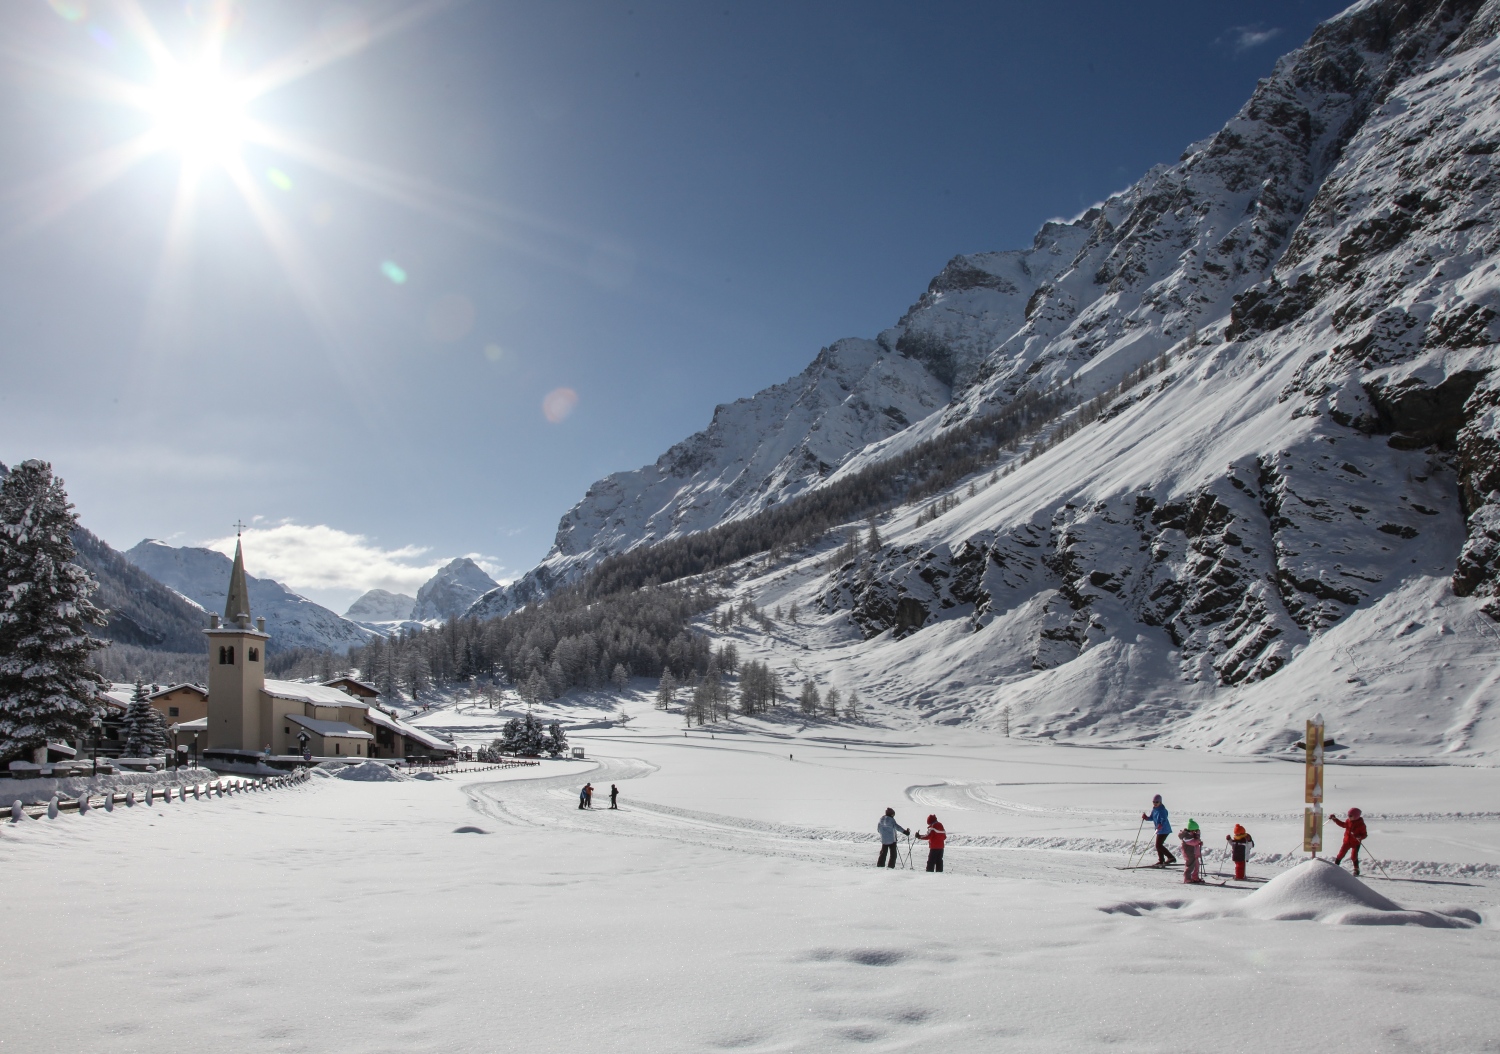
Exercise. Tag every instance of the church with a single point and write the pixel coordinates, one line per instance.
(248, 712)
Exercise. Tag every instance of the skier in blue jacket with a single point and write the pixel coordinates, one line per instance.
(1163, 828)
(887, 827)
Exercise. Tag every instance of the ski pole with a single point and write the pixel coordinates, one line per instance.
(1365, 846)
(1130, 860)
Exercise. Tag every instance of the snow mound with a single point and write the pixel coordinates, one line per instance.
(1317, 891)
(425, 776)
(370, 772)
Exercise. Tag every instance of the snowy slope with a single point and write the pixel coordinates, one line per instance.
(381, 605)
(202, 575)
(1316, 457)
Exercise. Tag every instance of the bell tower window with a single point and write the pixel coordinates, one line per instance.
(254, 655)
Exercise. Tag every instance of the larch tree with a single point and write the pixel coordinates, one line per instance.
(666, 690)
(809, 698)
(620, 677)
(47, 687)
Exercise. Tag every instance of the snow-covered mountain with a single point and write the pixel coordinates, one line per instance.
(202, 575)
(451, 591)
(381, 605)
(1308, 480)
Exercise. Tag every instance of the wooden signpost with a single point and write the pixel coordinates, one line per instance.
(1312, 817)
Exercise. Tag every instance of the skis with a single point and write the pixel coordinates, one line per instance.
(1145, 867)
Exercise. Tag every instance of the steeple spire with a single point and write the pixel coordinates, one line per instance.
(237, 603)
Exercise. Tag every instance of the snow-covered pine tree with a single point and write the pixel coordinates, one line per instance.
(510, 737)
(620, 677)
(666, 690)
(537, 689)
(145, 735)
(47, 688)
(556, 741)
(873, 540)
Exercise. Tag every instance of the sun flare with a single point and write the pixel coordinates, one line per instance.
(200, 113)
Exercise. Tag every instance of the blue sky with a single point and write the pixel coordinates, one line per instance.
(443, 213)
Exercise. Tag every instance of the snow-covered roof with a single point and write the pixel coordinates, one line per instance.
(200, 725)
(378, 716)
(118, 694)
(351, 680)
(328, 729)
(317, 694)
(178, 687)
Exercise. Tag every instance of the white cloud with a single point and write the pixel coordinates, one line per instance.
(1247, 37)
(319, 558)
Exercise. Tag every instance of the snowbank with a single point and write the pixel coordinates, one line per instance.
(370, 772)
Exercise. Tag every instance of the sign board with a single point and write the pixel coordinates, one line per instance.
(1312, 819)
(1312, 829)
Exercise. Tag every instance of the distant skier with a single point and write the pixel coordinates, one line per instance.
(888, 828)
(935, 838)
(1240, 844)
(1192, 852)
(1163, 826)
(583, 797)
(1355, 834)
(614, 796)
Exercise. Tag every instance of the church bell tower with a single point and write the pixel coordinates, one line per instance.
(236, 667)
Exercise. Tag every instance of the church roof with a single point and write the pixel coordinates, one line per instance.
(328, 729)
(377, 716)
(237, 603)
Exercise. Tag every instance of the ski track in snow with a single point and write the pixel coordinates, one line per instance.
(552, 802)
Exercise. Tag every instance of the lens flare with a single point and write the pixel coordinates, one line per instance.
(278, 179)
(558, 404)
(393, 271)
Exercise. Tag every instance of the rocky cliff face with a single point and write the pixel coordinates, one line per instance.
(451, 591)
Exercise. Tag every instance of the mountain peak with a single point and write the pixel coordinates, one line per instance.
(450, 592)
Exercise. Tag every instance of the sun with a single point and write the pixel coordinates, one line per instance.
(200, 113)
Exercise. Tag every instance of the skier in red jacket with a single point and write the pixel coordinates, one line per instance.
(935, 838)
(1354, 836)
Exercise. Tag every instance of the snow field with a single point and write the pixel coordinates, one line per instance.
(731, 904)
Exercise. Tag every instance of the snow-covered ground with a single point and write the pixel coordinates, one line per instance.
(731, 904)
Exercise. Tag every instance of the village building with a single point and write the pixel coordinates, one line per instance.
(244, 711)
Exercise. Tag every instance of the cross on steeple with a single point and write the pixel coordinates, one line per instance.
(239, 528)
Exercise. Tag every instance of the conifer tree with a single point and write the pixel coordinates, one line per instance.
(833, 701)
(851, 705)
(47, 688)
(873, 541)
(145, 736)
(809, 698)
(620, 677)
(666, 690)
(555, 742)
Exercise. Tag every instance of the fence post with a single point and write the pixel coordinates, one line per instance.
(83, 804)
(52, 808)
(17, 811)
(109, 800)
(150, 796)
(130, 798)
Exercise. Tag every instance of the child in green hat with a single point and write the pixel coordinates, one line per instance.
(1192, 852)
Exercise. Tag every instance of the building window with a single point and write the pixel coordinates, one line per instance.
(288, 731)
(338, 748)
(172, 711)
(226, 656)
(254, 655)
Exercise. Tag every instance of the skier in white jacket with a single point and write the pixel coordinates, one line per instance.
(888, 828)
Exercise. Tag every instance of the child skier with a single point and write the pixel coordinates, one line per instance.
(1163, 828)
(935, 837)
(1240, 844)
(887, 828)
(1192, 852)
(1354, 836)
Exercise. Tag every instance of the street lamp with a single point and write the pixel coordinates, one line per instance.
(96, 724)
(195, 750)
(302, 740)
